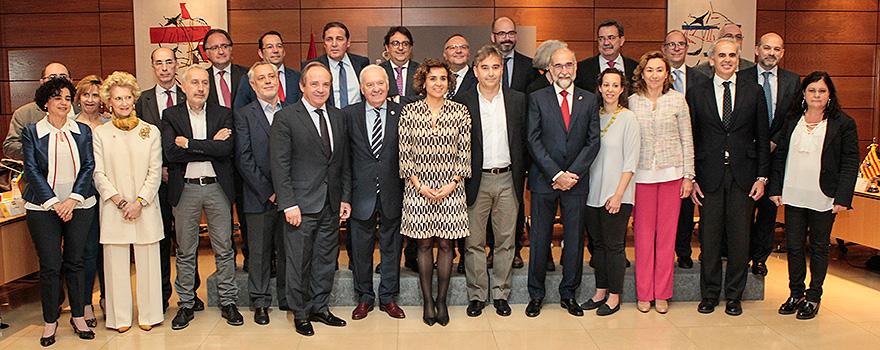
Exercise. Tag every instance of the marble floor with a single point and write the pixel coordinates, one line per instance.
(849, 318)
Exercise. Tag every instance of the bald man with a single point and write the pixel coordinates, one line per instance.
(732, 31)
(29, 113)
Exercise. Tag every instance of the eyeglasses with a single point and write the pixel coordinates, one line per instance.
(560, 66)
(56, 76)
(674, 44)
(218, 47)
(456, 47)
(509, 34)
(400, 43)
(609, 38)
(732, 36)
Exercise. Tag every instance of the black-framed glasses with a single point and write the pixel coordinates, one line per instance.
(217, 47)
(509, 34)
(675, 44)
(397, 43)
(56, 76)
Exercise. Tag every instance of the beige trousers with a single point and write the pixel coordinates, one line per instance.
(496, 196)
(117, 284)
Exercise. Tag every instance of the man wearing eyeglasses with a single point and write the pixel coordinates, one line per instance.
(518, 70)
(271, 49)
(30, 114)
(457, 54)
(732, 31)
(224, 75)
(610, 39)
(400, 67)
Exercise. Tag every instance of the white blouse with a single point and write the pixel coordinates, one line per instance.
(618, 153)
(800, 187)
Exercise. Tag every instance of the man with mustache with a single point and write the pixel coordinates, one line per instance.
(734, 32)
(345, 67)
(779, 86)
(563, 139)
(271, 49)
(609, 39)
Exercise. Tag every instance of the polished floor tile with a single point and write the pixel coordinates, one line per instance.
(737, 337)
(651, 338)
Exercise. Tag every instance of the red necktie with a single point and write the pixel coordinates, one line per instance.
(611, 64)
(224, 89)
(566, 114)
(170, 101)
(280, 88)
(399, 80)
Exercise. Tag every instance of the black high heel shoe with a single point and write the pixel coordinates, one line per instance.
(87, 334)
(429, 320)
(92, 322)
(47, 341)
(442, 320)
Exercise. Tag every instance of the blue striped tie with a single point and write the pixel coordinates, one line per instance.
(376, 138)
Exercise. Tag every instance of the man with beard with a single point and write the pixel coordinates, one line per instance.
(610, 39)
(563, 139)
(780, 86)
(518, 70)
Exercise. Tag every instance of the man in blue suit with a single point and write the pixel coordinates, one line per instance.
(272, 51)
(344, 67)
(563, 138)
(265, 223)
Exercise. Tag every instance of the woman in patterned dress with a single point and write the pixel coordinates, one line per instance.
(435, 158)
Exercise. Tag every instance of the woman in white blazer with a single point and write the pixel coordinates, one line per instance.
(128, 171)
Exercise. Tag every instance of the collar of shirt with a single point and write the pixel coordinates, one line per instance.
(558, 90)
(773, 70)
(681, 69)
(335, 63)
(44, 127)
(381, 108)
(404, 66)
(311, 109)
(718, 81)
(270, 108)
(193, 113)
(371, 118)
(618, 62)
(461, 73)
(498, 96)
(228, 71)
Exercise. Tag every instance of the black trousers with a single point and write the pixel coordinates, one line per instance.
(761, 244)
(311, 249)
(363, 237)
(801, 223)
(726, 215)
(609, 232)
(58, 244)
(265, 237)
(543, 213)
(685, 229)
(165, 245)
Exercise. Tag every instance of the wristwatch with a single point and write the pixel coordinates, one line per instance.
(142, 201)
(763, 179)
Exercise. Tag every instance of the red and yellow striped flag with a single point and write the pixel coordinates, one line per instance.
(871, 165)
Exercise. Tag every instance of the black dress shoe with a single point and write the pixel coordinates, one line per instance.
(590, 304)
(475, 308)
(605, 310)
(460, 268)
(261, 315)
(551, 266)
(198, 305)
(181, 320)
(685, 262)
(327, 318)
(628, 264)
(759, 268)
(572, 306)
(283, 307)
(791, 305)
(808, 310)
(165, 306)
(46, 341)
(303, 327)
(231, 314)
(502, 308)
(733, 308)
(707, 306)
(86, 334)
(534, 307)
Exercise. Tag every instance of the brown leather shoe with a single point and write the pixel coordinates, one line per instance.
(393, 310)
(518, 261)
(361, 311)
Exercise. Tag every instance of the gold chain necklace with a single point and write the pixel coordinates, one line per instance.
(613, 117)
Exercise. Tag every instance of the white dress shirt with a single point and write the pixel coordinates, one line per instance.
(351, 80)
(269, 110)
(162, 98)
(199, 123)
(719, 93)
(774, 83)
(493, 117)
(227, 77)
(618, 63)
(459, 77)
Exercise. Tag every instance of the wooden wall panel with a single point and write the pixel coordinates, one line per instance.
(26, 64)
(834, 59)
(548, 23)
(246, 26)
(5, 104)
(116, 5)
(638, 24)
(448, 16)
(447, 3)
(20, 93)
(66, 30)
(4, 125)
(117, 28)
(582, 49)
(855, 92)
(246, 54)
(771, 5)
(864, 118)
(357, 21)
(342, 4)
(832, 5)
(635, 50)
(656, 4)
(18, 6)
(532, 3)
(831, 27)
(261, 4)
(4, 64)
(769, 21)
(116, 58)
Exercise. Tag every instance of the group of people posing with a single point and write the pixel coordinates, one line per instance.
(435, 154)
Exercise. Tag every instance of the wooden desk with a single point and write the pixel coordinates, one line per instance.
(18, 258)
(862, 224)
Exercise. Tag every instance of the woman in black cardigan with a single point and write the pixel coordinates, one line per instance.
(814, 173)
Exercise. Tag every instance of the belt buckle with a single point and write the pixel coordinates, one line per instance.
(202, 184)
(495, 171)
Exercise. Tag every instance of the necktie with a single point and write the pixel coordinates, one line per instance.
(325, 134)
(170, 100)
(768, 95)
(727, 106)
(611, 64)
(399, 81)
(505, 77)
(224, 89)
(280, 88)
(678, 85)
(566, 114)
(451, 92)
(376, 136)
(343, 87)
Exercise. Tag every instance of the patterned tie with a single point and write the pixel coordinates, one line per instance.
(399, 80)
(224, 89)
(280, 87)
(451, 92)
(611, 64)
(679, 82)
(343, 86)
(727, 106)
(768, 94)
(566, 114)
(505, 77)
(170, 100)
(376, 138)
(325, 134)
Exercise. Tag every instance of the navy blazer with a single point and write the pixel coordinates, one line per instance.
(367, 171)
(247, 95)
(238, 71)
(553, 148)
(357, 62)
(789, 83)
(175, 122)
(523, 72)
(35, 150)
(409, 90)
(252, 156)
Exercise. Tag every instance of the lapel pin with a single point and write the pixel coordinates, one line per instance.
(580, 98)
(392, 112)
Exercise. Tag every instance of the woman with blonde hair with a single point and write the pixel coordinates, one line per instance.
(128, 171)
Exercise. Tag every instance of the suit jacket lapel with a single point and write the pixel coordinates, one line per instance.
(550, 95)
(151, 108)
(830, 131)
(306, 119)
(391, 118)
(738, 101)
(410, 74)
(508, 109)
(261, 117)
(336, 124)
(709, 96)
(476, 122)
(292, 84)
(577, 100)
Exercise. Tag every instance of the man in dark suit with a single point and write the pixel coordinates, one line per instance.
(675, 47)
(732, 156)
(610, 39)
(252, 125)
(457, 54)
(345, 67)
(311, 175)
(400, 67)
(272, 51)
(149, 108)
(780, 87)
(563, 138)
(732, 31)
(498, 155)
(376, 194)
(200, 179)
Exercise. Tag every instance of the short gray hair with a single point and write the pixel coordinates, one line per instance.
(190, 68)
(715, 44)
(372, 67)
(254, 67)
(545, 51)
